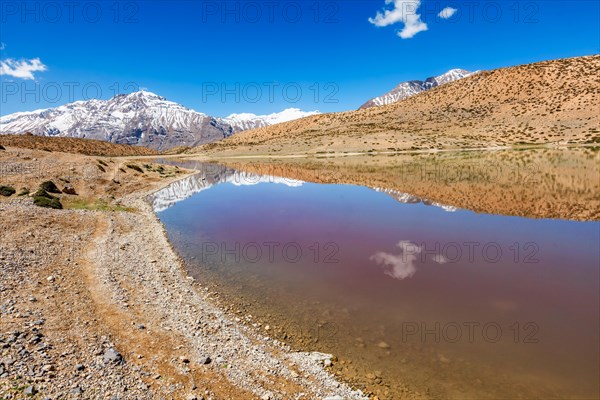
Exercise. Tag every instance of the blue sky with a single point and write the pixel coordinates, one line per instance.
(221, 57)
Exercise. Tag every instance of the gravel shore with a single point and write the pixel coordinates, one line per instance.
(96, 304)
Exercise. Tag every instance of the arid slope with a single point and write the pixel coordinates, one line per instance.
(74, 146)
(547, 102)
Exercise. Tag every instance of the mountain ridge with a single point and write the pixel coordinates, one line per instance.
(413, 87)
(140, 118)
(550, 102)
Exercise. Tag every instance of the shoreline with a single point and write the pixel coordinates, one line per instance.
(301, 367)
(98, 304)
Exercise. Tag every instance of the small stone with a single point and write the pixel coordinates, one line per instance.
(32, 299)
(112, 356)
(327, 362)
(79, 367)
(204, 360)
(50, 278)
(444, 359)
(184, 360)
(48, 368)
(383, 345)
(30, 391)
(76, 390)
(141, 326)
(7, 361)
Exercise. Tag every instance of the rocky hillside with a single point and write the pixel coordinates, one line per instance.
(547, 102)
(73, 145)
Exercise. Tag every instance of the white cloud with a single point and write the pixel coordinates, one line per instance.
(23, 69)
(404, 11)
(447, 12)
(402, 265)
(2, 46)
(399, 266)
(440, 259)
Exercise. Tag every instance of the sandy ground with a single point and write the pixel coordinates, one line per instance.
(94, 303)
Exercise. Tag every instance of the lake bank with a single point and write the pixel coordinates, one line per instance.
(357, 309)
(96, 303)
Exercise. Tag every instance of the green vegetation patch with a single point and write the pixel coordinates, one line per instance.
(135, 168)
(7, 191)
(42, 198)
(49, 187)
(97, 205)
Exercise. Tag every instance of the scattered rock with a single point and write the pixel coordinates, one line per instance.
(383, 345)
(204, 360)
(112, 356)
(76, 391)
(30, 391)
(48, 368)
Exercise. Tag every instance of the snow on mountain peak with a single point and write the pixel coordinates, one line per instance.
(245, 121)
(138, 118)
(411, 88)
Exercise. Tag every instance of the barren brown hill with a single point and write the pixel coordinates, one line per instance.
(73, 145)
(547, 102)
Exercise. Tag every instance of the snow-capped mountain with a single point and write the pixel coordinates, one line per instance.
(140, 118)
(247, 121)
(210, 176)
(408, 198)
(410, 88)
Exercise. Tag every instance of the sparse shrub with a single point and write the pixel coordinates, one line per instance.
(135, 168)
(49, 187)
(7, 191)
(42, 198)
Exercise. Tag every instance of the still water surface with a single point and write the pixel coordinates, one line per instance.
(415, 298)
